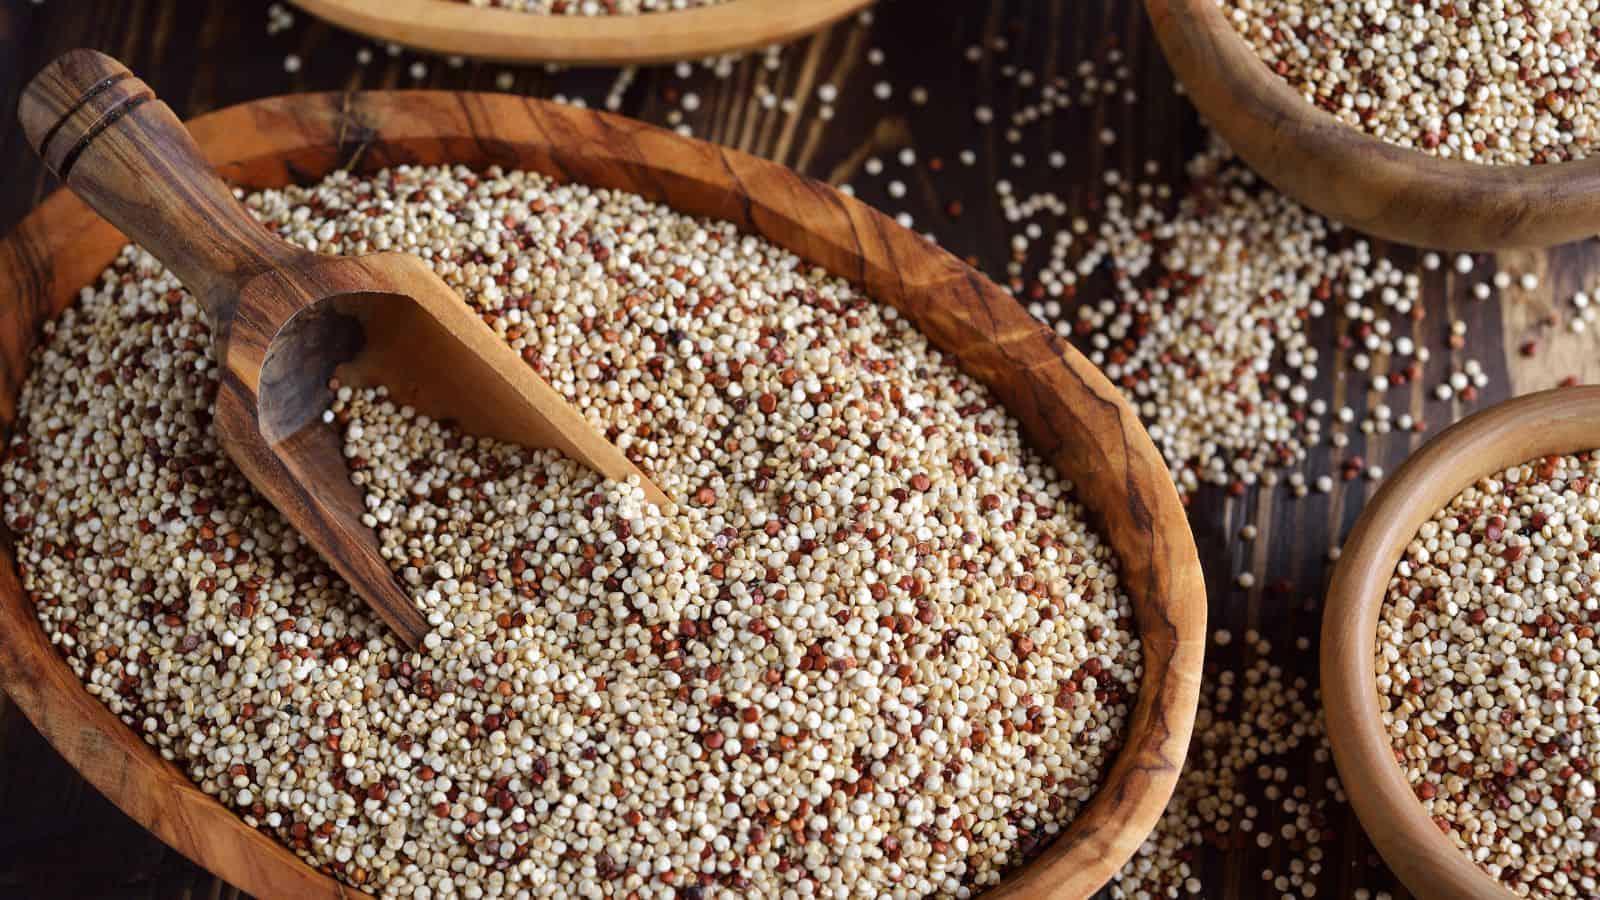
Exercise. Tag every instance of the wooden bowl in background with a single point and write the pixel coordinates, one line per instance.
(1562, 421)
(505, 35)
(1348, 175)
(1068, 410)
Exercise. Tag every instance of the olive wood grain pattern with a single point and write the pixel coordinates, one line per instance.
(287, 321)
(1346, 174)
(1068, 410)
(505, 35)
(1566, 420)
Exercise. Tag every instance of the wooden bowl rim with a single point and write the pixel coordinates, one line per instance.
(1348, 175)
(1560, 421)
(301, 137)
(509, 36)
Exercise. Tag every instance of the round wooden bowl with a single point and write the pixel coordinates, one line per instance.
(504, 35)
(1566, 420)
(1377, 187)
(1068, 410)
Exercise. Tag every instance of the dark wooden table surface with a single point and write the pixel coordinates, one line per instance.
(59, 838)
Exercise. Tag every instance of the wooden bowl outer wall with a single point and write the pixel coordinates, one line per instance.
(1565, 420)
(505, 35)
(1069, 412)
(1350, 176)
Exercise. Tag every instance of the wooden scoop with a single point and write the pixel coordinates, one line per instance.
(285, 321)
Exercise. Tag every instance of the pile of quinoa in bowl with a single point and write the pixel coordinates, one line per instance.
(876, 647)
(1488, 675)
(1496, 82)
(591, 7)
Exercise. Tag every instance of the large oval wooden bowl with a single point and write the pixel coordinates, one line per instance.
(1069, 412)
(505, 35)
(1562, 421)
(1349, 175)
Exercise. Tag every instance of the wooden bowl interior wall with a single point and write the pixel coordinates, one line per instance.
(1069, 412)
(1350, 176)
(506, 35)
(1566, 420)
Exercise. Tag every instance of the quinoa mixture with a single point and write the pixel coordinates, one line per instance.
(1489, 677)
(592, 7)
(1505, 82)
(875, 648)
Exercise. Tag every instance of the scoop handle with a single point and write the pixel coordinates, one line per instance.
(106, 135)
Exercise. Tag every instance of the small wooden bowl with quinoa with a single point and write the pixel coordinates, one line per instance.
(516, 36)
(1067, 410)
(1378, 187)
(1553, 423)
